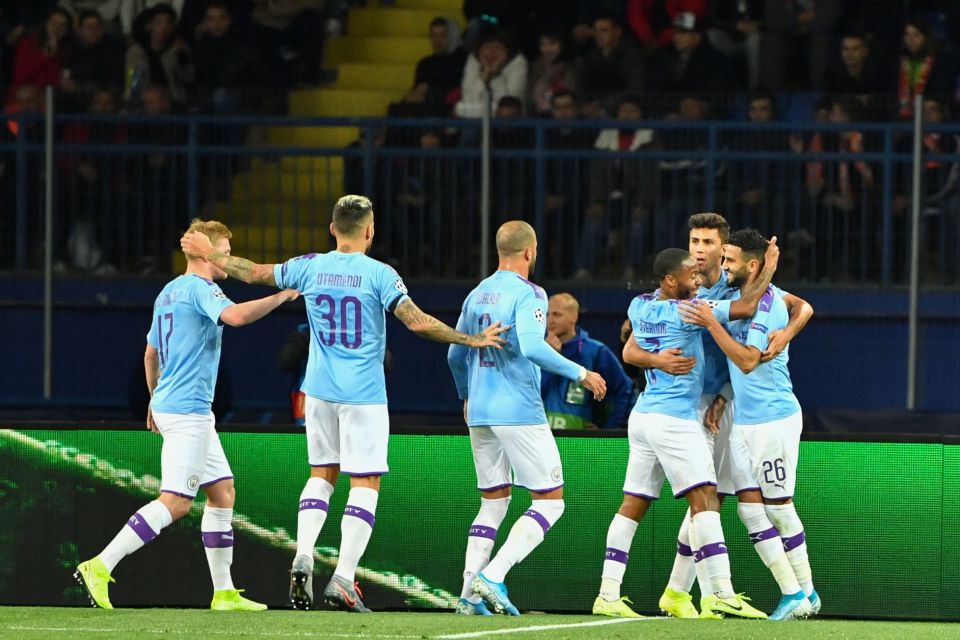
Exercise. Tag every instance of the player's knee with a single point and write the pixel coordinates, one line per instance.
(753, 516)
(549, 512)
(178, 506)
(784, 517)
(633, 507)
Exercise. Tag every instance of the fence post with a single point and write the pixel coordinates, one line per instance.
(485, 183)
(886, 258)
(914, 256)
(21, 155)
(193, 170)
(539, 185)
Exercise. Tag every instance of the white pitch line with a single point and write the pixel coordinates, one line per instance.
(266, 634)
(540, 627)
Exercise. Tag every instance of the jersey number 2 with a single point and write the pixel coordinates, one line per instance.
(350, 339)
(485, 359)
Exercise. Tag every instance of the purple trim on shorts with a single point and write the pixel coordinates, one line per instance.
(684, 550)
(692, 487)
(616, 555)
(365, 474)
(791, 543)
(499, 486)
(326, 464)
(760, 536)
(140, 527)
(480, 531)
(207, 484)
(359, 512)
(709, 550)
(559, 486)
(177, 493)
(739, 491)
(640, 495)
(537, 517)
(217, 539)
(313, 503)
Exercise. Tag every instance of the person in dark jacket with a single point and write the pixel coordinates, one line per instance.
(567, 403)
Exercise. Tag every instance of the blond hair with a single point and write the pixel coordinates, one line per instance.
(213, 229)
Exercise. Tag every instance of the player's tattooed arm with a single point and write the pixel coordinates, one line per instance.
(426, 326)
(750, 295)
(198, 245)
(800, 313)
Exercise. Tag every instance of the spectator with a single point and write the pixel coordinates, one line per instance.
(921, 68)
(41, 56)
(97, 59)
(858, 74)
(797, 28)
(552, 71)
(108, 10)
(566, 180)
(25, 99)
(492, 66)
(733, 28)
(131, 10)
(439, 73)
(620, 193)
(159, 57)
(613, 67)
(652, 21)
(568, 404)
(290, 34)
(690, 63)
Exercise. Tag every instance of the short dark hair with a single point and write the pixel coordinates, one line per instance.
(88, 13)
(761, 94)
(218, 4)
(350, 212)
(511, 101)
(668, 262)
(709, 220)
(439, 21)
(630, 98)
(751, 243)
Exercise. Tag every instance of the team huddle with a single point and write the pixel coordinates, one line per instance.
(717, 416)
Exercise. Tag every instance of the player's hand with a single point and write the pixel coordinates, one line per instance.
(490, 337)
(554, 341)
(196, 245)
(465, 413)
(695, 312)
(673, 361)
(772, 255)
(712, 418)
(288, 295)
(151, 423)
(596, 384)
(778, 341)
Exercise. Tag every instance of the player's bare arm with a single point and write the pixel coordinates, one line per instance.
(151, 366)
(670, 361)
(751, 293)
(745, 358)
(238, 315)
(711, 420)
(426, 326)
(198, 245)
(800, 313)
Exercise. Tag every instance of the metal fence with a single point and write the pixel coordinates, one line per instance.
(837, 195)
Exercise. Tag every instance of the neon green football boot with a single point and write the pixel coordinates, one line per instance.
(93, 576)
(231, 600)
(614, 608)
(713, 606)
(678, 604)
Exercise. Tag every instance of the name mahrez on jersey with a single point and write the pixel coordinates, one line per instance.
(338, 280)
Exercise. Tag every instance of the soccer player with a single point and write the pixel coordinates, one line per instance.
(181, 361)
(708, 234)
(765, 439)
(346, 294)
(508, 426)
(666, 439)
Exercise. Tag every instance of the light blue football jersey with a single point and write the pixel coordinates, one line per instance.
(715, 371)
(186, 332)
(346, 295)
(503, 385)
(766, 393)
(657, 325)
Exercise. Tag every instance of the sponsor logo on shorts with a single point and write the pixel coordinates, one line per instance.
(557, 474)
(193, 482)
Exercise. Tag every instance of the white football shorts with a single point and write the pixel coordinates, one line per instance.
(191, 457)
(770, 451)
(525, 455)
(662, 446)
(732, 473)
(354, 436)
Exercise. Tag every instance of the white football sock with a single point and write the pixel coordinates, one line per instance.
(785, 518)
(141, 528)
(525, 535)
(355, 530)
(216, 530)
(480, 541)
(619, 539)
(314, 503)
(766, 540)
(684, 572)
(710, 554)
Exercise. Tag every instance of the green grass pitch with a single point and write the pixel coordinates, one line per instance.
(49, 623)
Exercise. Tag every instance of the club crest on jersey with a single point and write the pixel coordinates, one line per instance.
(538, 314)
(399, 286)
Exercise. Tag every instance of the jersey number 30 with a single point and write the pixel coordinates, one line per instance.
(328, 307)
